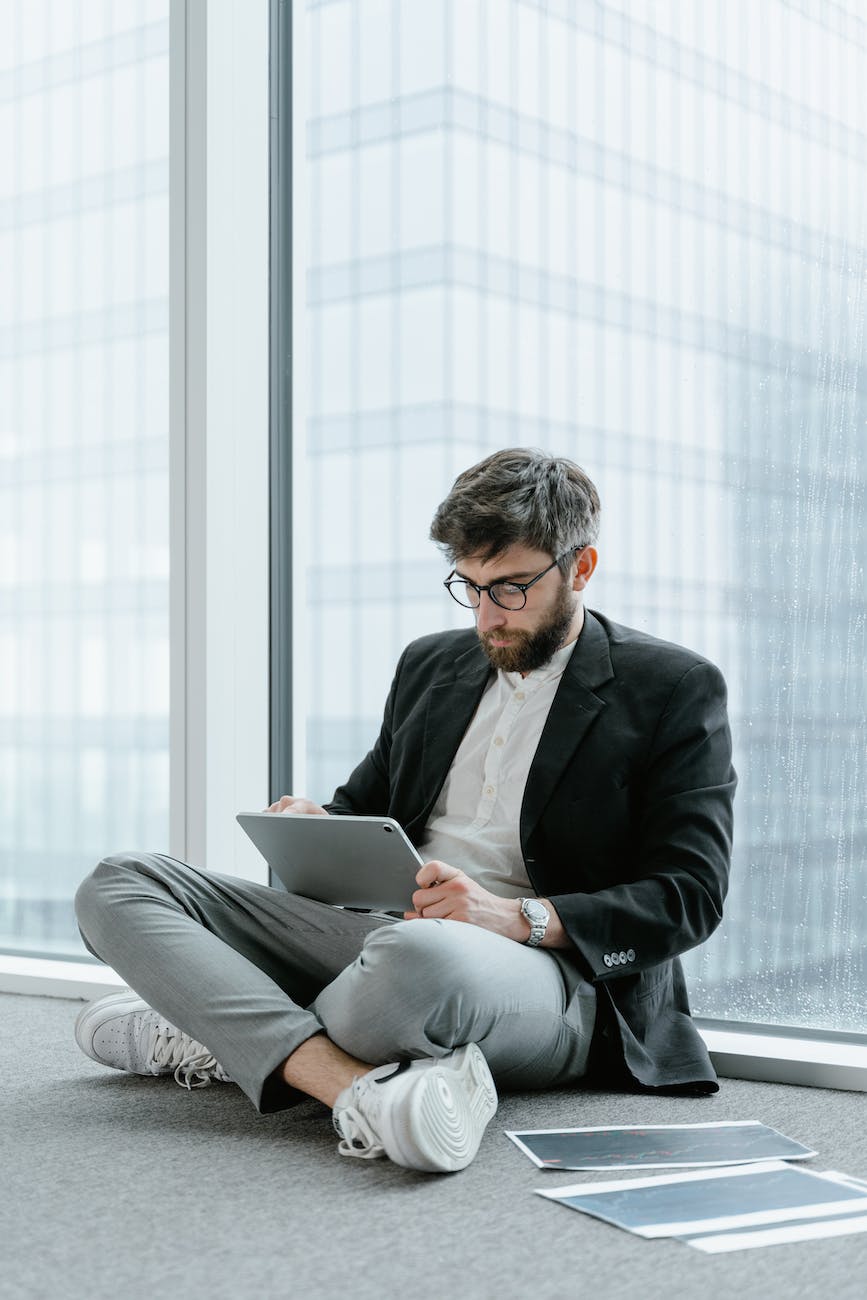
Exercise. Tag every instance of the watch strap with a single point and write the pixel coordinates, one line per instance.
(538, 926)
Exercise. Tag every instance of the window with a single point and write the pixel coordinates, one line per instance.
(84, 542)
(631, 234)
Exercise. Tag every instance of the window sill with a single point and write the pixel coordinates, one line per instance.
(787, 1057)
(818, 1062)
(45, 978)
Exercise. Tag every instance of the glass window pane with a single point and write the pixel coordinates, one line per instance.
(633, 234)
(84, 600)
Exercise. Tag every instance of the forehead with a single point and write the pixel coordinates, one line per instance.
(516, 561)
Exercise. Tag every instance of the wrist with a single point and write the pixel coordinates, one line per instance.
(519, 928)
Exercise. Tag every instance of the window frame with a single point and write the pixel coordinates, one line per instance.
(219, 65)
(218, 455)
(774, 1053)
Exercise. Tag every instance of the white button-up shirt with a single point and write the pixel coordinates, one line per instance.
(474, 823)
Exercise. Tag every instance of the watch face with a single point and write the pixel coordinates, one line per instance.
(534, 909)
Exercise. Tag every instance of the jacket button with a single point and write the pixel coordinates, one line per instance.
(630, 954)
(607, 959)
(623, 958)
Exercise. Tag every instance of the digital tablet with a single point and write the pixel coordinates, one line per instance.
(352, 861)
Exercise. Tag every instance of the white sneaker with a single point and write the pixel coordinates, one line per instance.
(427, 1114)
(124, 1032)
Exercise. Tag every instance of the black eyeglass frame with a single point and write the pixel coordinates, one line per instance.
(523, 587)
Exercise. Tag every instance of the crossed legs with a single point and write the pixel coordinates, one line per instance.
(231, 963)
(292, 995)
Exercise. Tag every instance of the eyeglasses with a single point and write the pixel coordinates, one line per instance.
(508, 595)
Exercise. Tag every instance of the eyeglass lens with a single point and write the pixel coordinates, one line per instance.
(502, 593)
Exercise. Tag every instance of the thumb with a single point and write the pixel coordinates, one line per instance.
(434, 873)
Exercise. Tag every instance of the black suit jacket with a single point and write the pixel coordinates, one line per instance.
(626, 820)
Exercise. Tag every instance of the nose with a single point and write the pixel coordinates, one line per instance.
(489, 615)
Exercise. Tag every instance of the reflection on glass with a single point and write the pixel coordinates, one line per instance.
(636, 238)
(84, 659)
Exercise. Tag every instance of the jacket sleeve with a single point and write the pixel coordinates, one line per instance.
(672, 896)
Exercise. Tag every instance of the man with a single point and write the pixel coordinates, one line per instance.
(568, 782)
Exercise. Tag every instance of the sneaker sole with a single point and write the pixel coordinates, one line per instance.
(92, 1017)
(449, 1111)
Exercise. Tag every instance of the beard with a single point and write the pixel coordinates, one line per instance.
(527, 651)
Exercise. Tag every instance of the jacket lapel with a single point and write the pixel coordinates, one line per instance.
(574, 709)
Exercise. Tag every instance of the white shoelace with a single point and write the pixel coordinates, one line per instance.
(357, 1138)
(193, 1064)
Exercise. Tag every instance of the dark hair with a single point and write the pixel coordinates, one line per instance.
(518, 496)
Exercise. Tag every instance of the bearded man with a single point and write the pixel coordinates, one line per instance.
(568, 782)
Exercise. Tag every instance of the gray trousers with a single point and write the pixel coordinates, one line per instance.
(252, 972)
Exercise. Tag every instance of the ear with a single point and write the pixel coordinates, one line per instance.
(585, 566)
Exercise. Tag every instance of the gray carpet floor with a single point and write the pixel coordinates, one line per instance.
(119, 1186)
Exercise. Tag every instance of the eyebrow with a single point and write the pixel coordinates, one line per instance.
(511, 577)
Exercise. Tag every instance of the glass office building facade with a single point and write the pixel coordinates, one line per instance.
(633, 234)
(84, 544)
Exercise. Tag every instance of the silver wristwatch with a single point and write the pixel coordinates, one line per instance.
(538, 916)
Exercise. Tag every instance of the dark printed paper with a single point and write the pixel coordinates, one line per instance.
(657, 1146)
(703, 1204)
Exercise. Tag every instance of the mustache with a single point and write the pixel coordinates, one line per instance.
(513, 638)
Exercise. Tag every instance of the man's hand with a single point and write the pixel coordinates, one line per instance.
(448, 892)
(289, 803)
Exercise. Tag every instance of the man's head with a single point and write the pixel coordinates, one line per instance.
(521, 515)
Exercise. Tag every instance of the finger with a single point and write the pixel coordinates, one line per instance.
(434, 873)
(424, 899)
(295, 804)
(436, 911)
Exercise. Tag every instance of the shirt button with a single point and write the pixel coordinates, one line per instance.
(489, 789)
(519, 695)
(498, 740)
